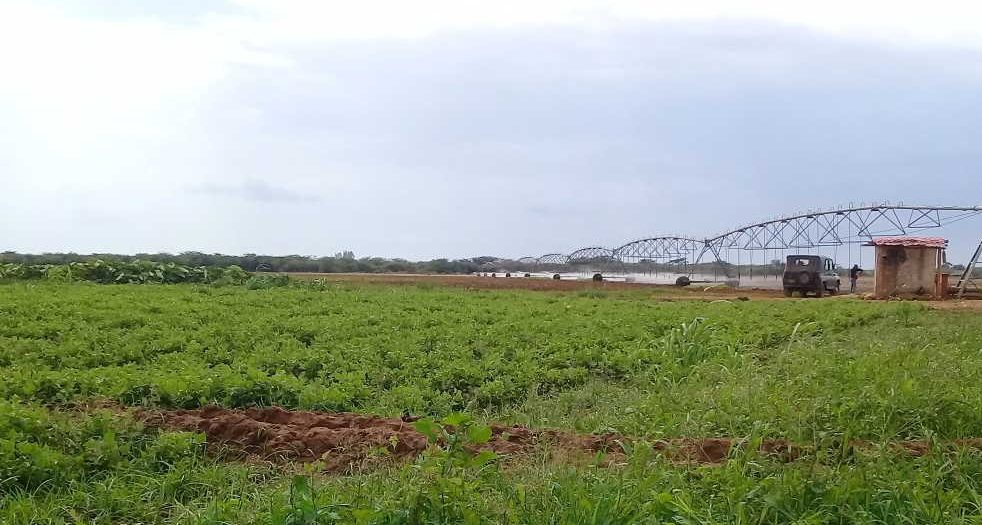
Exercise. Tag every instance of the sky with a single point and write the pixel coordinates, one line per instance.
(459, 128)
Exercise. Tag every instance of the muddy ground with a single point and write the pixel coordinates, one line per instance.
(346, 441)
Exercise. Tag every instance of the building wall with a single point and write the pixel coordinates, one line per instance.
(906, 271)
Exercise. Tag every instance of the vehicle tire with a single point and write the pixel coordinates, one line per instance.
(683, 281)
(788, 292)
(527, 275)
(598, 277)
(820, 291)
(556, 277)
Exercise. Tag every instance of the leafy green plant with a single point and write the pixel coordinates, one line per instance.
(264, 282)
(819, 373)
(452, 472)
(453, 437)
(130, 272)
(303, 507)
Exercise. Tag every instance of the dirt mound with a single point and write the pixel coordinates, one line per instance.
(341, 440)
(344, 441)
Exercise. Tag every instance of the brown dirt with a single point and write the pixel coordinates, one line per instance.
(964, 305)
(346, 441)
(663, 292)
(343, 440)
(696, 291)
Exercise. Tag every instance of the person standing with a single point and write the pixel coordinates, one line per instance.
(854, 273)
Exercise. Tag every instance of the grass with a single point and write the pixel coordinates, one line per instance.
(815, 372)
(881, 381)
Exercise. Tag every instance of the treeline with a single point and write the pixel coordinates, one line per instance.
(344, 262)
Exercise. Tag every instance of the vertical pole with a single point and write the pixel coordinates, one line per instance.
(849, 240)
(738, 264)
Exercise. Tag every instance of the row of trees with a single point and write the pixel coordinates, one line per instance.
(342, 262)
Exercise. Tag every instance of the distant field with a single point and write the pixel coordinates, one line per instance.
(517, 282)
(758, 285)
(878, 400)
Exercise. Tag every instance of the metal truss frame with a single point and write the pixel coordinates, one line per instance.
(834, 227)
(658, 249)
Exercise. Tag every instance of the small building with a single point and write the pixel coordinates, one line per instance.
(909, 267)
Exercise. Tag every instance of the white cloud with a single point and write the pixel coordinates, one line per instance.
(279, 21)
(84, 77)
(379, 121)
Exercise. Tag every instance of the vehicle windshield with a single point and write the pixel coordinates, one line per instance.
(802, 261)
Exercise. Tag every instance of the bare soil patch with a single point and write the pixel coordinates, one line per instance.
(696, 291)
(346, 441)
(963, 305)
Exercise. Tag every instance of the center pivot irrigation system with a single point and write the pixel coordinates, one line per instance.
(815, 230)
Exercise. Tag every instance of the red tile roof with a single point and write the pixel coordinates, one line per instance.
(916, 242)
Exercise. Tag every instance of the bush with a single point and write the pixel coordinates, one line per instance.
(133, 272)
(264, 282)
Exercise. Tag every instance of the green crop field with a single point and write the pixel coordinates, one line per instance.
(824, 374)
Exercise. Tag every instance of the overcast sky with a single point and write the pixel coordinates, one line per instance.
(457, 128)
